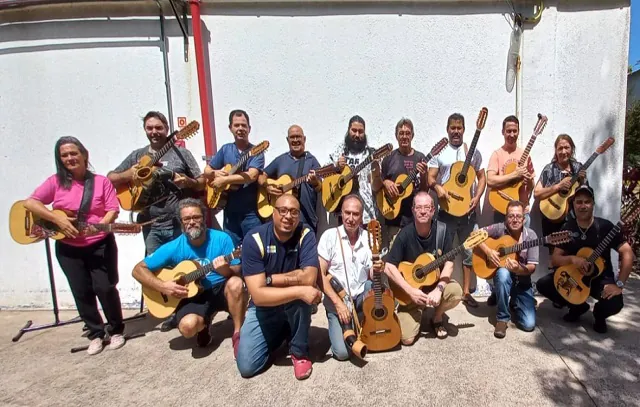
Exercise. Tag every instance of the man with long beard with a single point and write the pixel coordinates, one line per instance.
(222, 289)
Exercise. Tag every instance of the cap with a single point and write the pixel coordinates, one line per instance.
(585, 189)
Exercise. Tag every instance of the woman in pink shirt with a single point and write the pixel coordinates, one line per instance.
(87, 257)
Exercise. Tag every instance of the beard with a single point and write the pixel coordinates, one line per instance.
(355, 146)
(194, 233)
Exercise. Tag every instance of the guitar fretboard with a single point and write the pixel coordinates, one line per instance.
(243, 159)
(377, 285)
(472, 150)
(413, 175)
(584, 167)
(525, 154)
(423, 271)
(516, 248)
(327, 169)
(605, 243)
(200, 273)
(171, 141)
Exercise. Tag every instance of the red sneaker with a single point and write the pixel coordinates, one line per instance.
(302, 367)
(235, 340)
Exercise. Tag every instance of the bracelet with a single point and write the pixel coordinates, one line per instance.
(440, 287)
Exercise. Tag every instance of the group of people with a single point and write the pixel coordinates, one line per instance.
(285, 267)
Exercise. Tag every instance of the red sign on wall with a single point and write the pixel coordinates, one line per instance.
(182, 121)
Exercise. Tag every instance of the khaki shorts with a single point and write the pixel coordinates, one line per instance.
(410, 316)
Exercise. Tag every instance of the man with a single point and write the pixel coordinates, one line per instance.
(352, 152)
(425, 234)
(240, 213)
(439, 174)
(589, 231)
(280, 268)
(222, 288)
(345, 255)
(514, 279)
(296, 163)
(403, 160)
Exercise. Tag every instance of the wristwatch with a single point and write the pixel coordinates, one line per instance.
(440, 287)
(269, 281)
(620, 284)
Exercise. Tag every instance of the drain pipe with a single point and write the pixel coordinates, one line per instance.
(165, 58)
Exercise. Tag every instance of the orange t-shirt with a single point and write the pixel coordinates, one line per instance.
(501, 158)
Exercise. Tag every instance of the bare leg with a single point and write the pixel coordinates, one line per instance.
(190, 325)
(237, 299)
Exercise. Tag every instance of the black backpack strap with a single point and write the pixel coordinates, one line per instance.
(87, 197)
(441, 234)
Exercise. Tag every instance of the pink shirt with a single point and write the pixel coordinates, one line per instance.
(501, 158)
(104, 200)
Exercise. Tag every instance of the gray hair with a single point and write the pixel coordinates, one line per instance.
(190, 203)
(354, 196)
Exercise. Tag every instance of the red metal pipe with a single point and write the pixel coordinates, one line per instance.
(209, 132)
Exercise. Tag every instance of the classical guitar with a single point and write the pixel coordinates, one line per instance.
(571, 283)
(425, 271)
(133, 196)
(287, 185)
(508, 248)
(26, 227)
(217, 197)
(390, 207)
(380, 326)
(337, 186)
(500, 198)
(186, 273)
(556, 207)
(462, 176)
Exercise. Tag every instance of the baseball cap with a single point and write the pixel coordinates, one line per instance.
(585, 189)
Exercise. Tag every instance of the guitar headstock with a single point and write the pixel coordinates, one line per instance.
(439, 146)
(475, 238)
(482, 118)
(126, 228)
(259, 148)
(631, 212)
(557, 238)
(188, 130)
(375, 237)
(605, 146)
(540, 125)
(382, 151)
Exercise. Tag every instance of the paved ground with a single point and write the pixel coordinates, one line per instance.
(471, 367)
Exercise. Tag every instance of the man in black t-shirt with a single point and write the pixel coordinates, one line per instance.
(424, 235)
(589, 231)
(403, 160)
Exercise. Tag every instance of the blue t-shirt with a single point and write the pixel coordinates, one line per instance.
(170, 254)
(279, 257)
(308, 197)
(245, 199)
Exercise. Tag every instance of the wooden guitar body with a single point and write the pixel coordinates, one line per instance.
(389, 207)
(482, 266)
(380, 326)
(161, 305)
(266, 200)
(572, 284)
(24, 225)
(217, 197)
(556, 207)
(500, 198)
(459, 188)
(334, 188)
(408, 271)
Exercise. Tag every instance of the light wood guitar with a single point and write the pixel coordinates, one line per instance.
(500, 198)
(508, 248)
(287, 185)
(556, 207)
(425, 271)
(133, 196)
(463, 176)
(217, 197)
(186, 273)
(390, 207)
(571, 282)
(335, 187)
(26, 227)
(380, 326)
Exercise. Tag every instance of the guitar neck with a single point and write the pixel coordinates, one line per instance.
(359, 168)
(377, 285)
(442, 259)
(516, 248)
(527, 150)
(243, 159)
(203, 271)
(605, 243)
(413, 174)
(472, 150)
(171, 141)
(299, 181)
(584, 167)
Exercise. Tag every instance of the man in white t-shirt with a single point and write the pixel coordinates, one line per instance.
(351, 265)
(439, 173)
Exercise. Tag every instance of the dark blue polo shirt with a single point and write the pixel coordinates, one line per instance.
(308, 197)
(245, 199)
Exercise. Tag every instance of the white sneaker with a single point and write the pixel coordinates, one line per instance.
(117, 341)
(95, 346)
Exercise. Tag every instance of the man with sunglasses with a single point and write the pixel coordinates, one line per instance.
(222, 289)
(280, 268)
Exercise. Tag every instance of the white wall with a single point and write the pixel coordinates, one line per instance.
(315, 66)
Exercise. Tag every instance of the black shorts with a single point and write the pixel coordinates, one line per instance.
(205, 303)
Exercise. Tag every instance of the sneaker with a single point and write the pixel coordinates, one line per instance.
(501, 330)
(203, 339)
(575, 312)
(302, 367)
(117, 341)
(491, 301)
(600, 326)
(235, 340)
(95, 346)
(169, 324)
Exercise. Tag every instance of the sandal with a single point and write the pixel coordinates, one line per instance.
(469, 301)
(439, 329)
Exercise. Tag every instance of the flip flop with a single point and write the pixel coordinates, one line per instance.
(439, 329)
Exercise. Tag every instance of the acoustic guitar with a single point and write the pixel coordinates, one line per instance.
(337, 186)
(380, 326)
(425, 271)
(390, 207)
(556, 207)
(186, 273)
(571, 283)
(508, 248)
(500, 198)
(134, 195)
(217, 197)
(287, 185)
(463, 176)
(26, 227)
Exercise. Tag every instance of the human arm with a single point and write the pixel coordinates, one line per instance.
(124, 172)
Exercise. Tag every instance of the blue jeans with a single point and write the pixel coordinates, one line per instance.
(154, 238)
(338, 346)
(264, 330)
(237, 225)
(525, 308)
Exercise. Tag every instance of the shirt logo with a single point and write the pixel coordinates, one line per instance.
(271, 249)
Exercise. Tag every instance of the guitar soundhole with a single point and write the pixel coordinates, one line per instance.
(165, 298)
(379, 313)
(418, 275)
(143, 172)
(340, 183)
(461, 179)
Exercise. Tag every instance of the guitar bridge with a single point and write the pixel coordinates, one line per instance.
(552, 203)
(505, 196)
(455, 196)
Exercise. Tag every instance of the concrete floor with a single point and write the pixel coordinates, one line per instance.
(471, 367)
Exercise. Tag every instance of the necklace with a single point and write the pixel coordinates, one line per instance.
(583, 232)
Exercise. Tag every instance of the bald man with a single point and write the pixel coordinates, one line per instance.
(296, 163)
(280, 268)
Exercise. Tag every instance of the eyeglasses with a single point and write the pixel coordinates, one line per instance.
(515, 217)
(188, 219)
(423, 207)
(282, 211)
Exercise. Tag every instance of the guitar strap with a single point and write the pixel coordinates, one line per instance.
(441, 234)
(87, 196)
(300, 169)
(346, 275)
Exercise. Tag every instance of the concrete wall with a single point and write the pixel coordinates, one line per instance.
(315, 65)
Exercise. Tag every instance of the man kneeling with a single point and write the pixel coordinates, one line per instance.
(222, 289)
